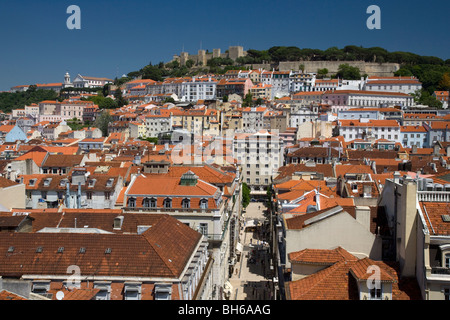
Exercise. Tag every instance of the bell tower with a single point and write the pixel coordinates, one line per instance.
(67, 82)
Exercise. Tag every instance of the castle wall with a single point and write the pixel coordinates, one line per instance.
(371, 68)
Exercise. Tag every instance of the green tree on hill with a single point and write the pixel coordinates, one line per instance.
(245, 195)
(345, 71)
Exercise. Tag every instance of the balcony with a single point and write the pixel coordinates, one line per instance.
(434, 196)
(440, 270)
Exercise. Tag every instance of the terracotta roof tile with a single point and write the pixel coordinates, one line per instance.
(339, 281)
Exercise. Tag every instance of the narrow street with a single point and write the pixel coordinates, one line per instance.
(251, 278)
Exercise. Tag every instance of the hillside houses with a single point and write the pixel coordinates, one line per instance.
(152, 203)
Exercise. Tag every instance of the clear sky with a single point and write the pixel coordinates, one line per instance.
(118, 36)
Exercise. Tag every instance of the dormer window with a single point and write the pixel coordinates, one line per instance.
(167, 203)
(186, 203)
(47, 182)
(92, 183)
(109, 183)
(149, 203)
(32, 182)
(132, 203)
(204, 204)
(376, 293)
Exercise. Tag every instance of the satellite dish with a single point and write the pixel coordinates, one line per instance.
(60, 295)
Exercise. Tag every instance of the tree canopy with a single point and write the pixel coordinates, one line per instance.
(16, 100)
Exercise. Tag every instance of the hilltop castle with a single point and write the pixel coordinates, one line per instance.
(202, 57)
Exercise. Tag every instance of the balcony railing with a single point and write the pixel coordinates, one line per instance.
(434, 196)
(440, 270)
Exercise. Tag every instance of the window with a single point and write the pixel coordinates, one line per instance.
(40, 287)
(149, 203)
(109, 183)
(47, 182)
(163, 291)
(105, 290)
(203, 229)
(447, 294)
(107, 195)
(89, 195)
(132, 203)
(447, 260)
(204, 204)
(376, 294)
(168, 203)
(132, 291)
(186, 203)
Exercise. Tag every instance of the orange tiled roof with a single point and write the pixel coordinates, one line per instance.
(339, 282)
(321, 256)
(6, 295)
(370, 123)
(154, 253)
(435, 210)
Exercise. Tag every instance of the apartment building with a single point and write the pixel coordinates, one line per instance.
(325, 85)
(253, 118)
(301, 113)
(366, 128)
(414, 136)
(418, 212)
(260, 155)
(212, 209)
(104, 255)
(437, 131)
(345, 99)
(261, 91)
(442, 96)
(198, 88)
(157, 123)
(301, 82)
(408, 85)
(239, 86)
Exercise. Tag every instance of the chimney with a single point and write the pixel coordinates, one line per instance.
(396, 177)
(436, 150)
(362, 215)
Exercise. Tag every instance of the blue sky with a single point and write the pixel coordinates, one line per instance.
(118, 36)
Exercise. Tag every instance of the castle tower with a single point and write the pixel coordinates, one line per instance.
(201, 57)
(236, 52)
(216, 53)
(184, 56)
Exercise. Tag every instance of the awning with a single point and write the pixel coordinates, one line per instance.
(239, 247)
(251, 223)
(227, 287)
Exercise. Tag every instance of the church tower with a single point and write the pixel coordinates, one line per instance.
(67, 82)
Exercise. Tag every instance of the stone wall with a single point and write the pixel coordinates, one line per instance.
(371, 68)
